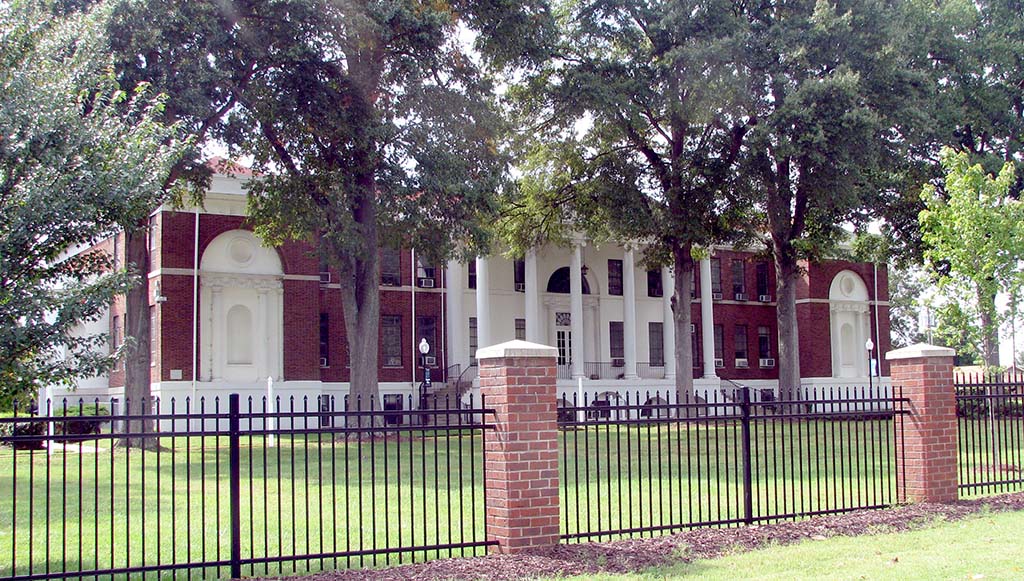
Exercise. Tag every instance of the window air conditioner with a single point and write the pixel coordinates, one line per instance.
(742, 363)
(618, 362)
(520, 287)
(766, 362)
(716, 296)
(323, 362)
(741, 296)
(719, 362)
(325, 278)
(390, 280)
(426, 283)
(765, 298)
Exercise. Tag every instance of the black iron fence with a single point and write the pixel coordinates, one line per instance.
(990, 418)
(644, 464)
(228, 487)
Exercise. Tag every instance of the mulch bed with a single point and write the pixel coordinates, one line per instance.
(638, 554)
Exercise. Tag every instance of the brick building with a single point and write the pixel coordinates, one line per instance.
(264, 312)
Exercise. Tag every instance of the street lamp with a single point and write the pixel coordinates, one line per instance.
(870, 346)
(424, 348)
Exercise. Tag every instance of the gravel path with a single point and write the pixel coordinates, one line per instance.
(638, 554)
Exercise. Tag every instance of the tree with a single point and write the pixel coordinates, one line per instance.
(832, 92)
(368, 122)
(76, 154)
(633, 131)
(971, 52)
(974, 232)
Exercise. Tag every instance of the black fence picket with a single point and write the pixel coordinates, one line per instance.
(304, 485)
(642, 464)
(990, 429)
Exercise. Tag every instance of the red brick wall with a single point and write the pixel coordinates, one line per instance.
(521, 454)
(928, 461)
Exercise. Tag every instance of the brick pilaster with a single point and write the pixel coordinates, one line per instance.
(928, 462)
(517, 380)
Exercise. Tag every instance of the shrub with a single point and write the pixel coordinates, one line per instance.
(89, 419)
(27, 427)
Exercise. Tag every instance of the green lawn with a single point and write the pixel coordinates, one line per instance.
(982, 547)
(315, 494)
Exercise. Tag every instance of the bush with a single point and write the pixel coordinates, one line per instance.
(27, 427)
(90, 418)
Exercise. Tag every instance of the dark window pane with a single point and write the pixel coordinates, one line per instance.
(391, 342)
(716, 276)
(325, 340)
(615, 277)
(656, 343)
(739, 283)
(654, 283)
(740, 341)
(391, 267)
(616, 340)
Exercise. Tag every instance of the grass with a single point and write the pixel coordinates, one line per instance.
(981, 547)
(314, 494)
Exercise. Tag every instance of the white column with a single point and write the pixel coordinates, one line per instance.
(668, 286)
(576, 310)
(707, 318)
(216, 332)
(629, 313)
(532, 299)
(263, 325)
(454, 284)
(483, 303)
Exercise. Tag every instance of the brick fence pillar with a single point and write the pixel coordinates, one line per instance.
(928, 463)
(517, 380)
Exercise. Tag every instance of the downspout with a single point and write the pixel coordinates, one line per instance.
(878, 337)
(195, 304)
(413, 322)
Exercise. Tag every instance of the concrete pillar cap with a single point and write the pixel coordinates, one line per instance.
(516, 349)
(919, 350)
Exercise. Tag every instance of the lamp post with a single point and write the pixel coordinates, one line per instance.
(870, 346)
(424, 348)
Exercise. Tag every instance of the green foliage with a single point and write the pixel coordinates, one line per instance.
(77, 154)
(633, 130)
(974, 233)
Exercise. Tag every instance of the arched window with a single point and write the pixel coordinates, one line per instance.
(239, 336)
(559, 282)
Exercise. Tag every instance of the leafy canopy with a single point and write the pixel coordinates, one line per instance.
(76, 154)
(974, 232)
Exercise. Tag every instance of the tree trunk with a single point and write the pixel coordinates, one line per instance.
(360, 286)
(989, 329)
(787, 273)
(681, 317)
(137, 387)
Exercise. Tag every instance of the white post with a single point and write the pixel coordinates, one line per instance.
(576, 309)
(629, 314)
(581, 414)
(271, 409)
(707, 318)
